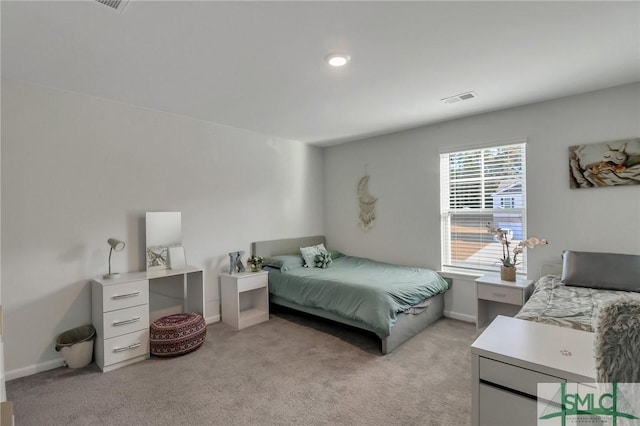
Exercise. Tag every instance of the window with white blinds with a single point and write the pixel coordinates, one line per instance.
(480, 187)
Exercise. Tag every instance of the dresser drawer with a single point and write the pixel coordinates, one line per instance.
(125, 295)
(252, 282)
(513, 296)
(124, 321)
(512, 377)
(122, 348)
(501, 408)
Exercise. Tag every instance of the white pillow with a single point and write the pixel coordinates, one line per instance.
(309, 254)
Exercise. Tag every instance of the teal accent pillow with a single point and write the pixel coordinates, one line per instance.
(323, 260)
(284, 262)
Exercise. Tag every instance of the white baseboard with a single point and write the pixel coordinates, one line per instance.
(212, 319)
(33, 369)
(459, 316)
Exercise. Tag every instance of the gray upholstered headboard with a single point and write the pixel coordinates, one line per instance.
(551, 269)
(284, 246)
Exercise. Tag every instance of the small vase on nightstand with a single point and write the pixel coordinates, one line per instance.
(508, 273)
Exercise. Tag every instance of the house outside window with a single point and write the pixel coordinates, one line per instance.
(505, 202)
(479, 187)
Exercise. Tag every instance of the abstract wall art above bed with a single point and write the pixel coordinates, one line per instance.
(605, 164)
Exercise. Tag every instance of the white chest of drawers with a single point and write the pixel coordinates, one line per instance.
(120, 313)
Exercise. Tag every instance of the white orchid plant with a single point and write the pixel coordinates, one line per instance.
(504, 238)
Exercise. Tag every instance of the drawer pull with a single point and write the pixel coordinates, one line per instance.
(125, 322)
(124, 296)
(127, 348)
(499, 294)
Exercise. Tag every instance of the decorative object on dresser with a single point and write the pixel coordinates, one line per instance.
(605, 164)
(157, 257)
(508, 267)
(235, 262)
(244, 298)
(499, 297)
(177, 334)
(255, 263)
(176, 257)
(116, 245)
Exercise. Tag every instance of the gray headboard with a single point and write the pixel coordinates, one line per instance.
(551, 269)
(285, 246)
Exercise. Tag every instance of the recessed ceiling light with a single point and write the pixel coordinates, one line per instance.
(338, 59)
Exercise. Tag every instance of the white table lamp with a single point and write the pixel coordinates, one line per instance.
(116, 245)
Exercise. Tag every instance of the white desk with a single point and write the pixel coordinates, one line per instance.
(512, 356)
(123, 307)
(168, 286)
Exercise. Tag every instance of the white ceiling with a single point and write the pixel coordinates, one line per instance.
(260, 65)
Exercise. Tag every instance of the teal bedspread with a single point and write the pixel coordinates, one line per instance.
(358, 289)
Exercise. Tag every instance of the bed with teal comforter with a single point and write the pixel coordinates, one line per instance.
(358, 290)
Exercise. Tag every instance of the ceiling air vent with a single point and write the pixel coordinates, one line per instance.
(460, 97)
(118, 5)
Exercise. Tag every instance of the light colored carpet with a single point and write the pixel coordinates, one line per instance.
(290, 370)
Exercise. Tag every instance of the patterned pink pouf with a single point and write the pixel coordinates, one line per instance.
(177, 334)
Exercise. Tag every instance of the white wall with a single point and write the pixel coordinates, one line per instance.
(3, 389)
(77, 170)
(404, 170)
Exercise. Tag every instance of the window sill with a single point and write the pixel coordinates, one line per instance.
(466, 274)
(461, 274)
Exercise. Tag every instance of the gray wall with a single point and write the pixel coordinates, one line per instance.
(77, 170)
(404, 170)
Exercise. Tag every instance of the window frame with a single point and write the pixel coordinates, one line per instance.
(447, 212)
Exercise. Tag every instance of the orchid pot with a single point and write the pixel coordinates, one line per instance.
(508, 273)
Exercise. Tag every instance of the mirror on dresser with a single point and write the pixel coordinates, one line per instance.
(163, 232)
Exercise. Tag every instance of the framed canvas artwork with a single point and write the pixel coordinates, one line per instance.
(157, 257)
(177, 259)
(605, 164)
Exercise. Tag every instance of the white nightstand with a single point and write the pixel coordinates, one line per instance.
(245, 298)
(496, 297)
